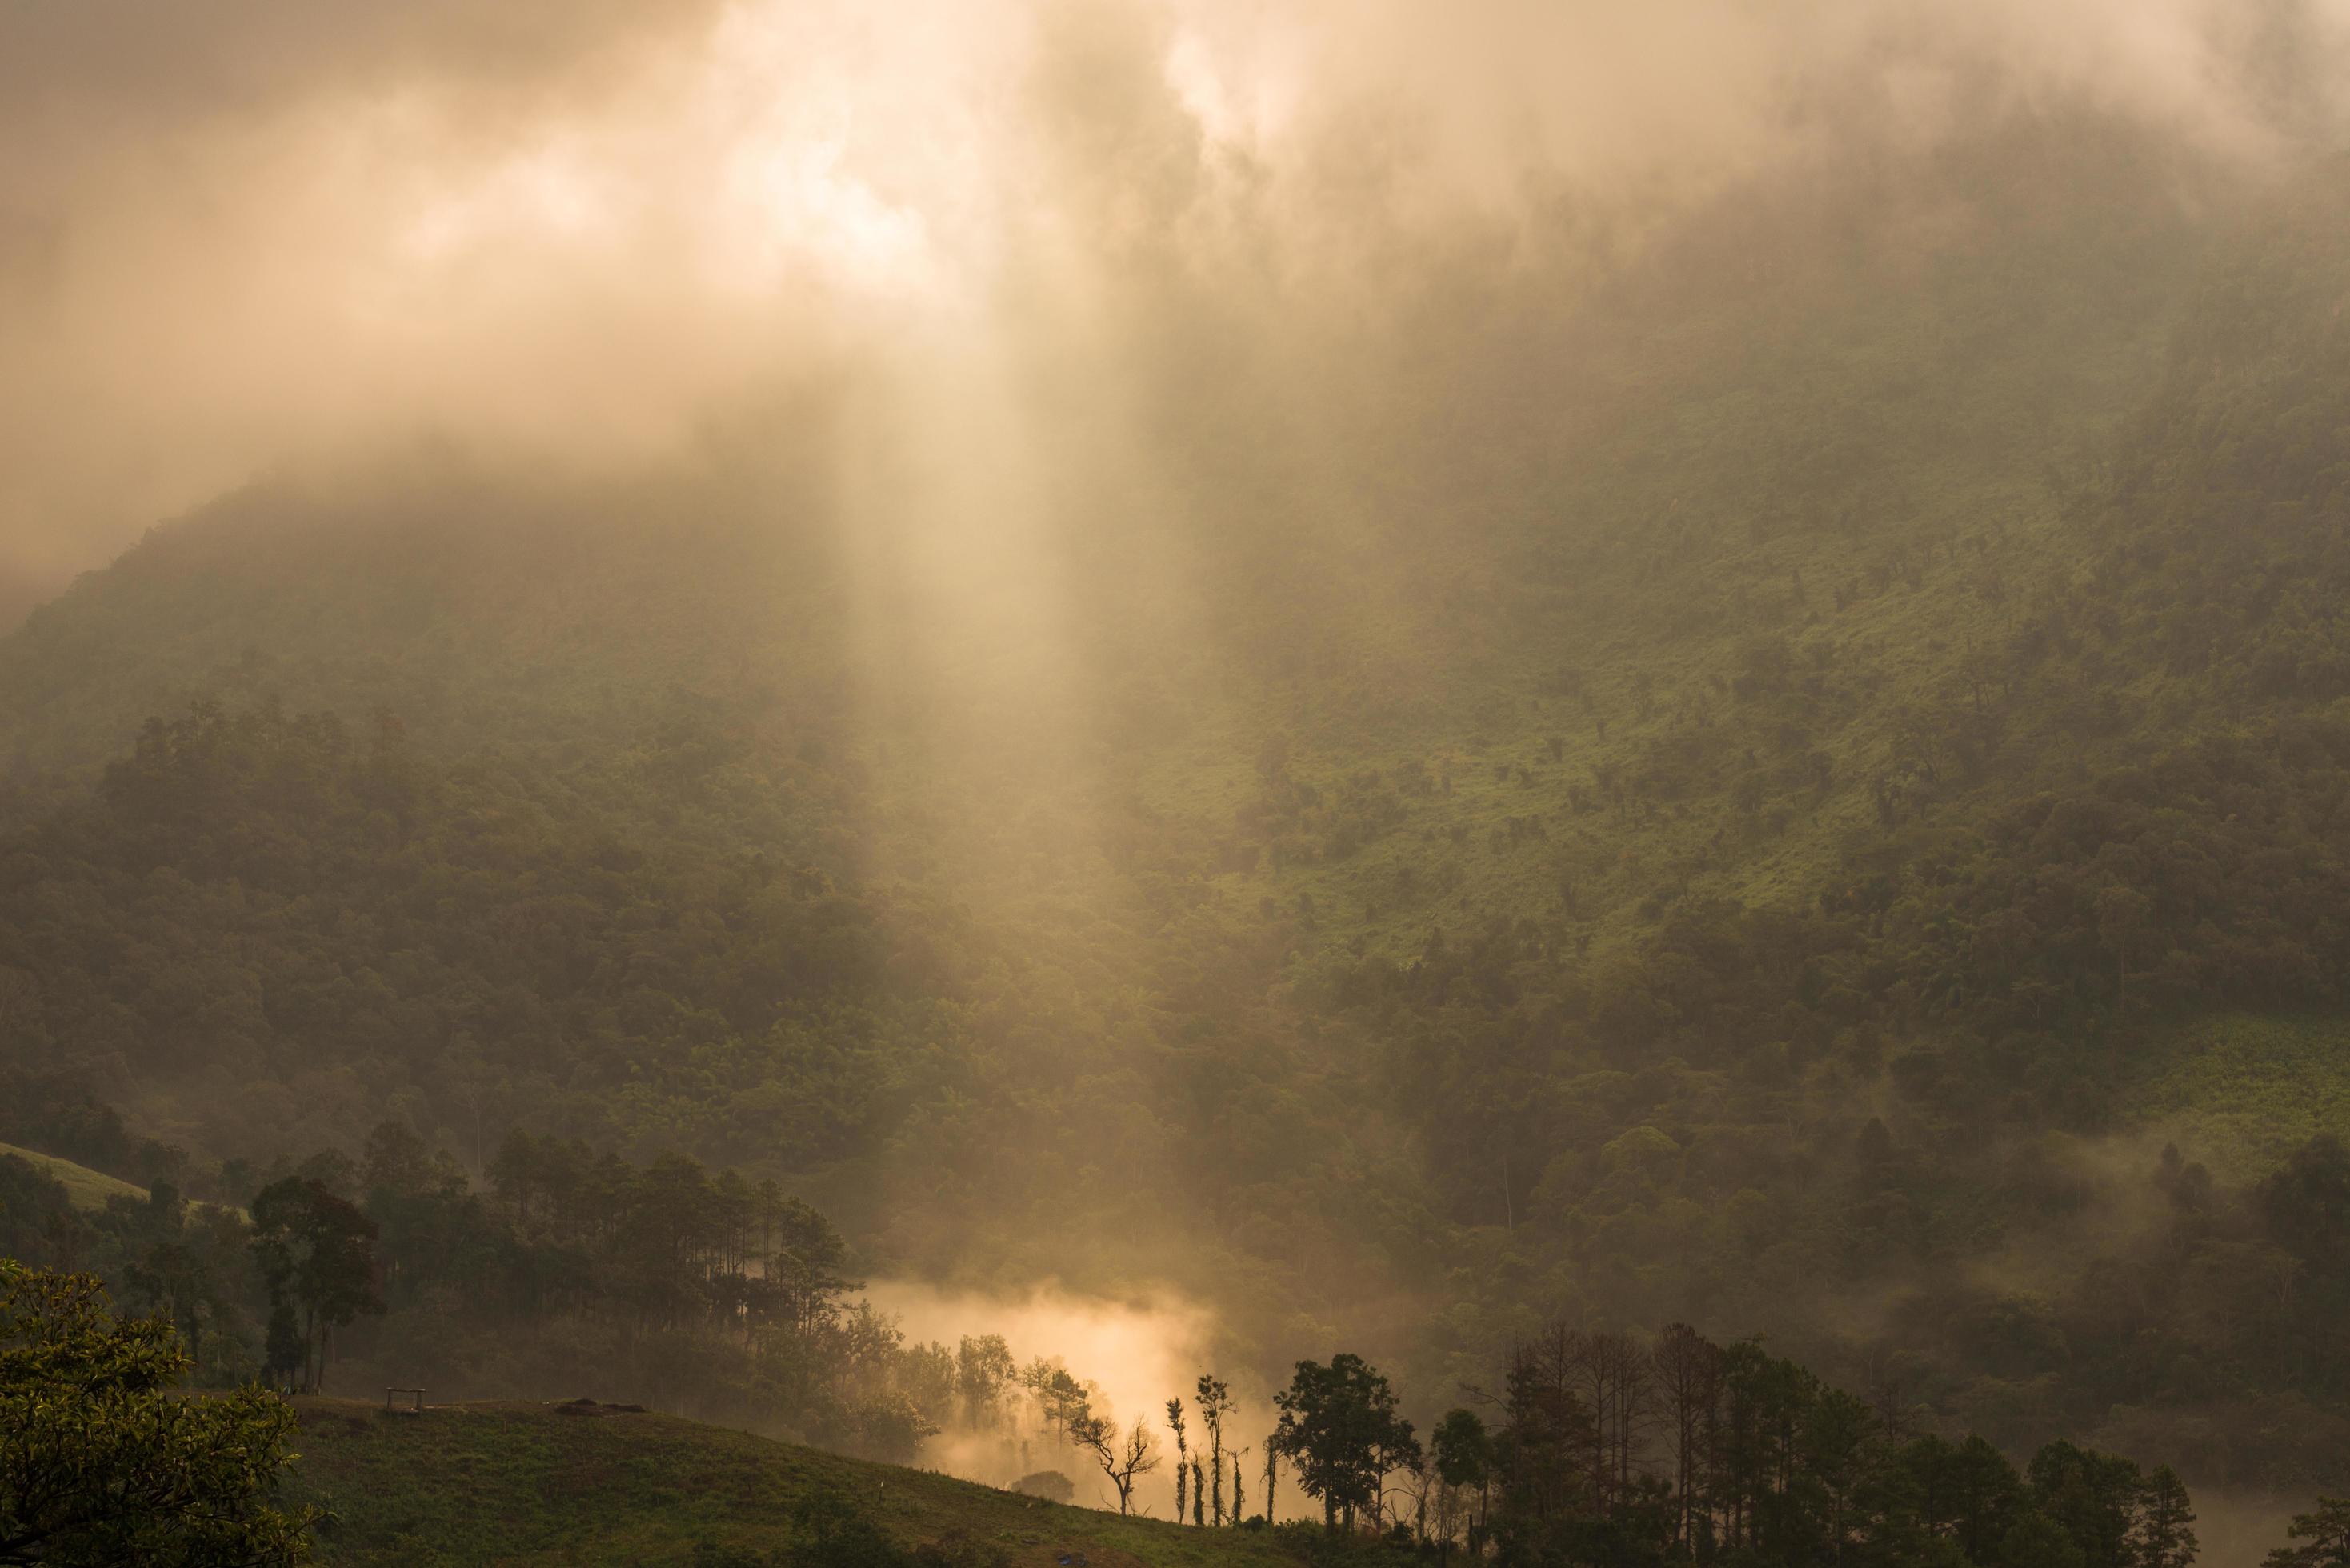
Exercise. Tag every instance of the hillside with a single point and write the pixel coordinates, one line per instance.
(87, 1188)
(1762, 795)
(518, 1484)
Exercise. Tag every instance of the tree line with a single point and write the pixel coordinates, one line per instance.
(1605, 1449)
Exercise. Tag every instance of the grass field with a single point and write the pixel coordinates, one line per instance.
(528, 1483)
(87, 1188)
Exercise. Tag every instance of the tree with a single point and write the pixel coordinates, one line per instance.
(2306, 1203)
(983, 1368)
(1124, 1457)
(2124, 917)
(164, 1271)
(1688, 1375)
(1215, 1402)
(1463, 1452)
(1985, 1494)
(37, 1220)
(2327, 1533)
(1835, 1450)
(1182, 1455)
(318, 1253)
(2166, 1534)
(2035, 1540)
(833, 1533)
(1060, 1399)
(2093, 1497)
(101, 1463)
(285, 1353)
(1339, 1428)
(809, 1263)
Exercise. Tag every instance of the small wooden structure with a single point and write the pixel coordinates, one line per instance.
(391, 1408)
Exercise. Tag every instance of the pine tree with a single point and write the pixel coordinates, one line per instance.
(2327, 1532)
(2166, 1536)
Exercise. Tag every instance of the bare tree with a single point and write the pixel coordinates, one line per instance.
(1123, 1457)
(1418, 1481)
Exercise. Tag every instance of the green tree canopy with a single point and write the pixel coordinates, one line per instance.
(2325, 1536)
(101, 1463)
(1339, 1427)
(317, 1251)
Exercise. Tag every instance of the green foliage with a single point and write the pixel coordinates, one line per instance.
(316, 1251)
(2324, 1535)
(37, 1219)
(2244, 1090)
(1461, 1449)
(102, 1462)
(699, 1289)
(1340, 1427)
(1762, 1463)
(831, 1531)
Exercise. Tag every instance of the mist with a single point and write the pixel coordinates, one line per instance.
(289, 236)
(1135, 1355)
(1520, 690)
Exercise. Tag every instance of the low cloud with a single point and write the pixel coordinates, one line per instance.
(240, 237)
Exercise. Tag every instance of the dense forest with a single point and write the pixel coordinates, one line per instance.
(710, 1294)
(1827, 823)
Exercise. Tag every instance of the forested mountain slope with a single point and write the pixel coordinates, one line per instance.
(1731, 796)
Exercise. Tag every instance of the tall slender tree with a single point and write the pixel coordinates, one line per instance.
(2165, 1524)
(1182, 1456)
(1688, 1375)
(1215, 1402)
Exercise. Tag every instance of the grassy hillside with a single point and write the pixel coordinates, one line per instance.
(528, 1484)
(87, 1188)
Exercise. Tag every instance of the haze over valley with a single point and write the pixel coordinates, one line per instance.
(1589, 766)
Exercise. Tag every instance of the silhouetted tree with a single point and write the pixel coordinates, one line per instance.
(1124, 1457)
(1215, 1402)
(316, 1251)
(2325, 1535)
(1340, 1427)
(1182, 1456)
(2165, 1534)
